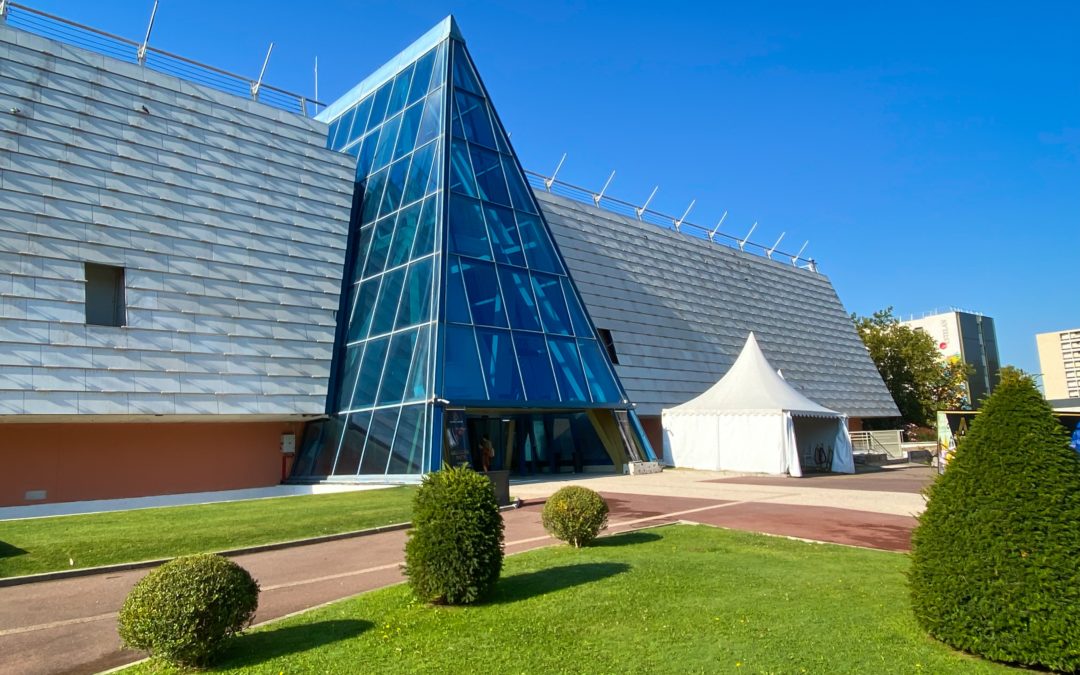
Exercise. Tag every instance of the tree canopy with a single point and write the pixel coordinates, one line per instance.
(920, 382)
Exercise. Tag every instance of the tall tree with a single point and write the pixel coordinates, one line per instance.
(920, 382)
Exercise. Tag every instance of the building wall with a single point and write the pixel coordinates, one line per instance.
(679, 310)
(80, 461)
(1059, 361)
(971, 337)
(228, 216)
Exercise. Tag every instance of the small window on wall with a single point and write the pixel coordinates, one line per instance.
(609, 344)
(104, 295)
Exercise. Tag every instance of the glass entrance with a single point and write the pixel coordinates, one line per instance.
(528, 444)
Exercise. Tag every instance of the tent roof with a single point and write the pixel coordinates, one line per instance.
(752, 385)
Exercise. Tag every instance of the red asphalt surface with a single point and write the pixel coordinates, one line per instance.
(69, 625)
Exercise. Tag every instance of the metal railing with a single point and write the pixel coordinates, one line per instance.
(77, 35)
(668, 222)
(889, 443)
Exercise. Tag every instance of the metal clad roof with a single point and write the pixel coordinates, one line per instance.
(679, 310)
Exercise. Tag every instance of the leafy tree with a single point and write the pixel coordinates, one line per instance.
(994, 558)
(907, 359)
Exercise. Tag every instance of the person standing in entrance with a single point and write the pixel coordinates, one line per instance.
(487, 453)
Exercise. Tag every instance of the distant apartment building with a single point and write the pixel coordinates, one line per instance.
(1059, 360)
(972, 338)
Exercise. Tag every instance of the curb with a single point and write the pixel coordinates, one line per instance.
(259, 548)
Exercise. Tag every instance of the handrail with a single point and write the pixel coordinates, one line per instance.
(625, 208)
(115, 46)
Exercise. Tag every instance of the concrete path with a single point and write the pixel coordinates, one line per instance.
(69, 626)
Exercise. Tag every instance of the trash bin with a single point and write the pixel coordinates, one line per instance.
(501, 481)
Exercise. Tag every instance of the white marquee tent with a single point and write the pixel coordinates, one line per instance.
(752, 420)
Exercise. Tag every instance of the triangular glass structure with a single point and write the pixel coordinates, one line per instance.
(456, 306)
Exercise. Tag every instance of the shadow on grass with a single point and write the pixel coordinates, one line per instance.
(9, 551)
(533, 584)
(625, 539)
(252, 649)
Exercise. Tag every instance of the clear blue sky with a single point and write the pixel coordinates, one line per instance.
(930, 152)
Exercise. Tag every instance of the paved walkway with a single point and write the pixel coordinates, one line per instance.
(69, 626)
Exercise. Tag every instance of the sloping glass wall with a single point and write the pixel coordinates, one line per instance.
(480, 312)
(516, 333)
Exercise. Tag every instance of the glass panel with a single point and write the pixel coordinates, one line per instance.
(499, 366)
(365, 305)
(471, 113)
(549, 299)
(438, 71)
(417, 387)
(425, 228)
(418, 173)
(401, 249)
(535, 365)
(431, 122)
(421, 77)
(386, 143)
(367, 384)
(341, 135)
(601, 383)
(462, 377)
(538, 248)
(400, 91)
(482, 285)
(489, 176)
(398, 363)
(500, 139)
(468, 235)
(410, 121)
(353, 354)
(352, 444)
(395, 186)
(409, 441)
(504, 235)
(378, 107)
(463, 72)
(380, 245)
(564, 356)
(457, 306)
(520, 193)
(577, 314)
(520, 303)
(416, 296)
(380, 438)
(366, 156)
(325, 447)
(361, 253)
(461, 175)
(359, 125)
(389, 295)
(372, 197)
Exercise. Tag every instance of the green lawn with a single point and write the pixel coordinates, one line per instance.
(66, 542)
(679, 599)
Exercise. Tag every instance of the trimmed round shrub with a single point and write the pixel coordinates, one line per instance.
(996, 555)
(454, 554)
(575, 515)
(184, 611)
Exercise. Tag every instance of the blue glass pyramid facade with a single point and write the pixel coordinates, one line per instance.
(454, 293)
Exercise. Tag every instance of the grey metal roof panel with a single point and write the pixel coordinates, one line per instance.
(679, 310)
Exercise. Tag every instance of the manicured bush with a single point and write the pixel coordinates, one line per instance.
(184, 611)
(575, 515)
(996, 556)
(455, 549)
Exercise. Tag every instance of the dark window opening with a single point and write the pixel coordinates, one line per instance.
(104, 295)
(609, 344)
